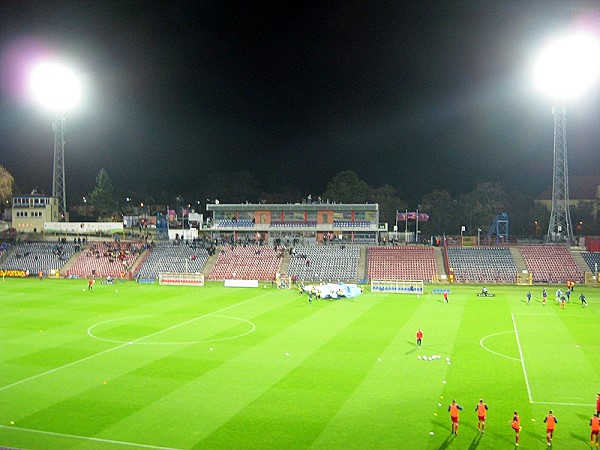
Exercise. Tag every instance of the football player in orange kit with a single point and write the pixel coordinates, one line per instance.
(515, 423)
(453, 410)
(481, 409)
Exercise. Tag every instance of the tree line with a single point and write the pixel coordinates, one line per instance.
(448, 213)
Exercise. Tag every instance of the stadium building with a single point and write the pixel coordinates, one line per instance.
(30, 212)
(306, 222)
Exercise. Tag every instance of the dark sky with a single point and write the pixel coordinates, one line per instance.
(419, 95)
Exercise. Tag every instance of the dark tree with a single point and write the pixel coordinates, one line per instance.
(103, 198)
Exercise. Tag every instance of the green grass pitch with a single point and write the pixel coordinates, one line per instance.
(161, 367)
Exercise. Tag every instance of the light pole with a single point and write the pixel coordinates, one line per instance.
(566, 68)
(57, 88)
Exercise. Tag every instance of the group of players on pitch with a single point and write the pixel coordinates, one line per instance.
(550, 420)
(561, 297)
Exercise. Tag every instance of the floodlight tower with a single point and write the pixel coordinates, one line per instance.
(560, 216)
(565, 69)
(57, 88)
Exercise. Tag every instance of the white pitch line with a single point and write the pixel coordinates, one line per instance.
(522, 359)
(85, 438)
(138, 341)
(492, 351)
(72, 363)
(564, 404)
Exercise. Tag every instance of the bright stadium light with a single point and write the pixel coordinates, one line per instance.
(55, 86)
(565, 70)
(59, 89)
(568, 67)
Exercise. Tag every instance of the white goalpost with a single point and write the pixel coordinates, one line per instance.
(397, 286)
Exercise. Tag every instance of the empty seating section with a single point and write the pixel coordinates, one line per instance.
(174, 256)
(402, 263)
(236, 223)
(592, 259)
(551, 263)
(325, 263)
(482, 265)
(102, 259)
(252, 262)
(37, 257)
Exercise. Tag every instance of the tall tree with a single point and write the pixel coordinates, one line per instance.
(480, 206)
(6, 185)
(526, 216)
(103, 198)
(584, 219)
(389, 202)
(346, 187)
(443, 212)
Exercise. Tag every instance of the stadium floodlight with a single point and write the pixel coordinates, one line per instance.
(59, 89)
(569, 66)
(55, 86)
(566, 69)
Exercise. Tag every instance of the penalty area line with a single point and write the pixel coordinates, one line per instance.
(522, 359)
(87, 438)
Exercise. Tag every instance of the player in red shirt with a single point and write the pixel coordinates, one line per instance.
(515, 423)
(481, 409)
(453, 410)
(550, 422)
(445, 296)
(419, 337)
(595, 424)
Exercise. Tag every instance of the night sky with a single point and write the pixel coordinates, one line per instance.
(419, 95)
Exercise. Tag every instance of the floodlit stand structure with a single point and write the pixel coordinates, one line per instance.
(58, 171)
(560, 226)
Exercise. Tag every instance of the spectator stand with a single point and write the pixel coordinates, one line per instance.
(39, 258)
(325, 263)
(402, 263)
(171, 256)
(551, 263)
(247, 262)
(482, 264)
(101, 259)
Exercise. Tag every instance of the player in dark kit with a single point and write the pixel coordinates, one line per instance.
(583, 300)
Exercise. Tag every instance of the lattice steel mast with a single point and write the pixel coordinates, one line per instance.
(560, 217)
(58, 171)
